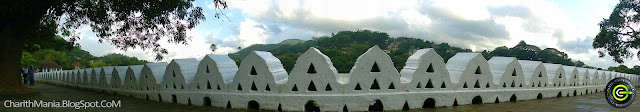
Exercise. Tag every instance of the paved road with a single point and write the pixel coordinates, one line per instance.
(586, 103)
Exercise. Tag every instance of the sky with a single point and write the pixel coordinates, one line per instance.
(568, 25)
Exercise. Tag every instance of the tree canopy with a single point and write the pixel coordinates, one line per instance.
(82, 58)
(124, 23)
(625, 69)
(619, 33)
(524, 51)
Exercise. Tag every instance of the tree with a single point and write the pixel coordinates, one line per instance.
(55, 56)
(98, 63)
(524, 51)
(501, 51)
(579, 63)
(123, 23)
(27, 59)
(619, 32)
(486, 55)
(213, 47)
(56, 43)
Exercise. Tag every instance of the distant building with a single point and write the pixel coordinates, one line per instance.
(76, 65)
(49, 65)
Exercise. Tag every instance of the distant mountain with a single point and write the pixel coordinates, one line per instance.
(344, 48)
(291, 42)
(265, 47)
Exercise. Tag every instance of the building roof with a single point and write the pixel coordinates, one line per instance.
(49, 64)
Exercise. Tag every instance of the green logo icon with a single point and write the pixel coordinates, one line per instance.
(620, 92)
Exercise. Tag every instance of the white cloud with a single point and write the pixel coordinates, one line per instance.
(89, 42)
(478, 25)
(196, 48)
(252, 32)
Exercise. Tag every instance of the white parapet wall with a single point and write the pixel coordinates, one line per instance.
(471, 72)
(179, 73)
(260, 74)
(571, 74)
(597, 77)
(82, 77)
(261, 82)
(86, 76)
(132, 76)
(151, 77)
(425, 68)
(73, 76)
(425, 71)
(507, 72)
(373, 71)
(313, 73)
(535, 74)
(215, 72)
(119, 74)
(583, 76)
(93, 76)
(106, 74)
(556, 75)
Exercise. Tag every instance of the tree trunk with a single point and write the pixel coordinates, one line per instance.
(16, 26)
(12, 42)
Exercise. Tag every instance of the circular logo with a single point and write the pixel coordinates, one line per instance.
(620, 93)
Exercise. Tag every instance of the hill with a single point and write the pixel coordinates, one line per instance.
(66, 58)
(344, 48)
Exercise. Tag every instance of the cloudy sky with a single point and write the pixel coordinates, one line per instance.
(568, 25)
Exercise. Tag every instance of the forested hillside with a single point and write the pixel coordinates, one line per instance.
(344, 48)
(65, 54)
(524, 51)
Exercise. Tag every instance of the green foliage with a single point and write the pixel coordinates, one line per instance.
(86, 60)
(55, 56)
(56, 43)
(486, 54)
(618, 33)
(524, 51)
(625, 69)
(120, 60)
(77, 55)
(123, 23)
(143, 23)
(289, 59)
(98, 63)
(27, 59)
(213, 47)
(590, 67)
(346, 46)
